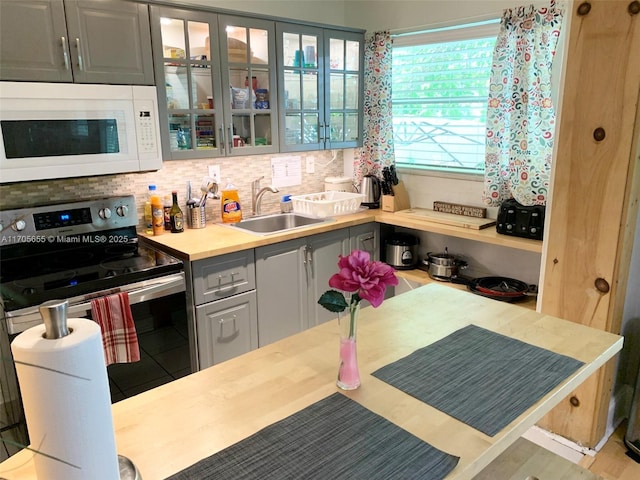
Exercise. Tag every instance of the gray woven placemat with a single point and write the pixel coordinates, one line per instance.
(335, 438)
(482, 378)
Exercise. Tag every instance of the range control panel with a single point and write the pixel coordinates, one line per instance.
(30, 224)
(520, 221)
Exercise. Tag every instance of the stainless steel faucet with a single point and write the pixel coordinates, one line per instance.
(257, 193)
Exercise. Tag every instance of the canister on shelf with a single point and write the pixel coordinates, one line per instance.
(262, 98)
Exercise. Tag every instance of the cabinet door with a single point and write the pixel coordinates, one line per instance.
(322, 255)
(226, 328)
(33, 41)
(187, 63)
(366, 237)
(344, 64)
(110, 42)
(248, 64)
(219, 277)
(281, 284)
(301, 86)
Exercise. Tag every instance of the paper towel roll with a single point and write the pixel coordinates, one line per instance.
(65, 392)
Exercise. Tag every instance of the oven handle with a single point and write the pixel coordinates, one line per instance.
(148, 290)
(163, 287)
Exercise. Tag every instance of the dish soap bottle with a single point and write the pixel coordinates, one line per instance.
(175, 215)
(230, 203)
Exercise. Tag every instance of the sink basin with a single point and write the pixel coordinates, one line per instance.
(276, 223)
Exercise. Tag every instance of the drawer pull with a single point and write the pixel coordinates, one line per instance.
(79, 52)
(370, 239)
(65, 53)
(231, 287)
(229, 338)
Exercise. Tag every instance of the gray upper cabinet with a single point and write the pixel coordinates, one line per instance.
(320, 84)
(218, 75)
(82, 41)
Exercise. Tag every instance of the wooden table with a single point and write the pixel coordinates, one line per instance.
(173, 426)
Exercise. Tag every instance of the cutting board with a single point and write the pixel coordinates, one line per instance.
(447, 218)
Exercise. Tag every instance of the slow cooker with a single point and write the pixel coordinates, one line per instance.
(401, 250)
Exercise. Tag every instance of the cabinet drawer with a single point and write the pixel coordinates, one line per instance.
(226, 328)
(220, 277)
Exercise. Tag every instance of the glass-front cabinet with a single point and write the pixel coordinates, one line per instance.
(249, 94)
(203, 65)
(320, 84)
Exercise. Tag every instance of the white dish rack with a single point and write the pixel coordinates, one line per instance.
(327, 204)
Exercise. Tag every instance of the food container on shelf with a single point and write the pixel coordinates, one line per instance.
(338, 184)
(327, 204)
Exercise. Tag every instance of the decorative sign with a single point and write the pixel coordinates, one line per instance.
(456, 209)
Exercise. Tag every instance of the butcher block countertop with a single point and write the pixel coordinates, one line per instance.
(169, 428)
(218, 239)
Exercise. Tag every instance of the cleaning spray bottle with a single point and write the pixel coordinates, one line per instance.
(230, 203)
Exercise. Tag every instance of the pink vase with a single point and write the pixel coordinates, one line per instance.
(348, 373)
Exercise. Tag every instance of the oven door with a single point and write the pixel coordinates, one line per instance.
(18, 321)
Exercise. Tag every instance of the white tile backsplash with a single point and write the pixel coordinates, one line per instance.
(174, 175)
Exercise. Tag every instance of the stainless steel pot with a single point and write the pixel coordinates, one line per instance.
(443, 266)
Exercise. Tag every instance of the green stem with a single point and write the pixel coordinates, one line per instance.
(353, 308)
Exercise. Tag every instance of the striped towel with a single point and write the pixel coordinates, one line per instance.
(119, 339)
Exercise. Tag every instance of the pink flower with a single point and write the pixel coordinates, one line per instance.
(367, 279)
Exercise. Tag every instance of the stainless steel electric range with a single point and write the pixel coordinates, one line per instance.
(79, 251)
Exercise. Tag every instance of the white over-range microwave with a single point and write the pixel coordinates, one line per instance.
(60, 130)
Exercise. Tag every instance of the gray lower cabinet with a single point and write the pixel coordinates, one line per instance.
(226, 328)
(81, 41)
(252, 298)
(323, 253)
(225, 304)
(366, 237)
(290, 277)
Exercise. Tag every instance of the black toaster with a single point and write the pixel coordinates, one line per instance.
(520, 221)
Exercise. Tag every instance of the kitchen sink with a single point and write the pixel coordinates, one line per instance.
(276, 223)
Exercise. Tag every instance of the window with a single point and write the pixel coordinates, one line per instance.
(440, 81)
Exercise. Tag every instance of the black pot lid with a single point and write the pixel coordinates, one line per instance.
(405, 239)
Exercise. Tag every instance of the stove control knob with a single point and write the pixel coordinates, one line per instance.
(104, 213)
(19, 225)
(122, 210)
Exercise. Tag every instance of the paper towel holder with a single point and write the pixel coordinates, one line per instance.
(54, 316)
(128, 470)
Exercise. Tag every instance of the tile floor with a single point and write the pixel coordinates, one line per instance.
(164, 349)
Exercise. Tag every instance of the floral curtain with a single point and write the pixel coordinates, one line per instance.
(377, 147)
(520, 113)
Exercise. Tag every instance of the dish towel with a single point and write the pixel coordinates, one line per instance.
(119, 338)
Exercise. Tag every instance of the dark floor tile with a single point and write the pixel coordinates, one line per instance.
(161, 340)
(175, 359)
(129, 375)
